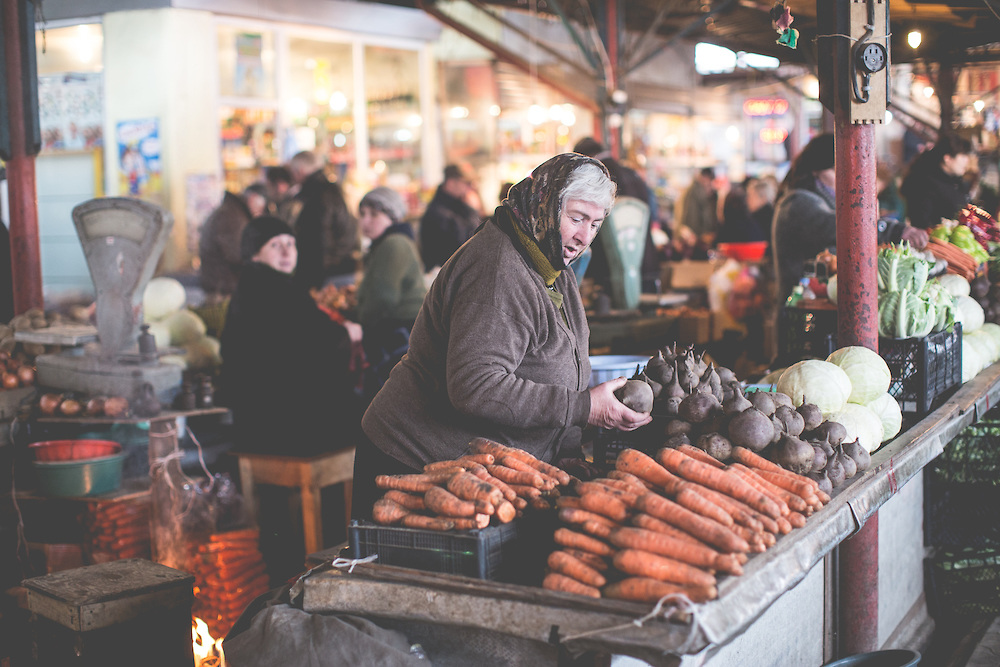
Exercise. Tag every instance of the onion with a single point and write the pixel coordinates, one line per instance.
(116, 406)
(49, 403)
(26, 374)
(10, 380)
(94, 407)
(70, 407)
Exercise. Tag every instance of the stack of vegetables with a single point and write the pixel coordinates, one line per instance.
(174, 325)
(229, 574)
(656, 527)
(965, 243)
(980, 339)
(909, 305)
(117, 529)
(493, 482)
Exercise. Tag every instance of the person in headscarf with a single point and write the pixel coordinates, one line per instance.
(285, 369)
(500, 346)
(393, 287)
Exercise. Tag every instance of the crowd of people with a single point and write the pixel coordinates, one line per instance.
(264, 249)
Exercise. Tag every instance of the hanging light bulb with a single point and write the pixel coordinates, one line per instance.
(979, 105)
(913, 38)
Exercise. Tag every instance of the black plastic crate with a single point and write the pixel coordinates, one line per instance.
(964, 584)
(962, 515)
(502, 552)
(609, 443)
(925, 371)
(972, 456)
(806, 334)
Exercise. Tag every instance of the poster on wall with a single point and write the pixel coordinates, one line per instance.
(249, 65)
(71, 112)
(139, 168)
(202, 194)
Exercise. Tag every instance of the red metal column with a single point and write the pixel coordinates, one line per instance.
(615, 133)
(857, 315)
(24, 247)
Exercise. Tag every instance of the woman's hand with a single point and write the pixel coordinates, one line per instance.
(915, 236)
(606, 411)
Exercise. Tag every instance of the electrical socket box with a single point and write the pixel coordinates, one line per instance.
(868, 60)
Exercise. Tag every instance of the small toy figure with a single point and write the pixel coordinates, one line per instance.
(781, 21)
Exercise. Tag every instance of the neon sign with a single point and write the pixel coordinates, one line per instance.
(765, 106)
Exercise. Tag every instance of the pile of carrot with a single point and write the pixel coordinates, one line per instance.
(669, 524)
(492, 482)
(959, 261)
(117, 529)
(229, 573)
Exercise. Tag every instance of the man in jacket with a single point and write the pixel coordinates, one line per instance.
(219, 245)
(449, 220)
(325, 231)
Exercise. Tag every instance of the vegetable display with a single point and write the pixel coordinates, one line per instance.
(909, 304)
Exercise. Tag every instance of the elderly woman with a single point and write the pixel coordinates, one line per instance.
(393, 287)
(284, 361)
(500, 347)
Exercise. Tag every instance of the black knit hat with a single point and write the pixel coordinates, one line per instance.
(258, 232)
(817, 154)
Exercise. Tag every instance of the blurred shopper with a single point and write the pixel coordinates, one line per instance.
(738, 225)
(449, 220)
(698, 207)
(392, 288)
(279, 182)
(890, 202)
(325, 230)
(219, 245)
(935, 186)
(285, 363)
(761, 193)
(629, 184)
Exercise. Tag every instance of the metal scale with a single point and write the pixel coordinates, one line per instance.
(122, 241)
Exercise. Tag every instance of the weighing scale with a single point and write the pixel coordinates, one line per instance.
(122, 241)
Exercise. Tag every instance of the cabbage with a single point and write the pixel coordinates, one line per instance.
(904, 314)
(185, 327)
(203, 354)
(899, 268)
(972, 358)
(944, 305)
(831, 289)
(969, 313)
(868, 372)
(862, 424)
(986, 346)
(887, 409)
(954, 284)
(992, 330)
(161, 332)
(162, 297)
(821, 382)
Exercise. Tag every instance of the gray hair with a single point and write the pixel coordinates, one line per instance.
(386, 200)
(590, 183)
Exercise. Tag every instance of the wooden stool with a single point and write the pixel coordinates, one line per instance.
(309, 475)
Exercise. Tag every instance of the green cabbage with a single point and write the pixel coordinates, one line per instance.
(955, 284)
(904, 314)
(861, 423)
(867, 371)
(162, 296)
(969, 313)
(887, 409)
(899, 268)
(944, 305)
(820, 382)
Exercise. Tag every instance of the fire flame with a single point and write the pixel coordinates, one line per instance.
(207, 649)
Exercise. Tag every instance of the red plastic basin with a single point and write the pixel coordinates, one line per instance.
(74, 450)
(752, 251)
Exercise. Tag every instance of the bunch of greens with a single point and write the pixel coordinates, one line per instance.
(910, 306)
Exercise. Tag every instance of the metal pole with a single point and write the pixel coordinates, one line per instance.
(25, 256)
(857, 324)
(611, 39)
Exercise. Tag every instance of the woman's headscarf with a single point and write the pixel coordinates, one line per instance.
(534, 203)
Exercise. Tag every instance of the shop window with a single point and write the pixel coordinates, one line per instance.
(248, 143)
(246, 62)
(320, 102)
(392, 93)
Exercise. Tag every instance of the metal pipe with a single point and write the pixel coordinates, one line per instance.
(587, 53)
(857, 324)
(612, 26)
(26, 264)
(723, 6)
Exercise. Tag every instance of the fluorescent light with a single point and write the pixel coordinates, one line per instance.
(913, 38)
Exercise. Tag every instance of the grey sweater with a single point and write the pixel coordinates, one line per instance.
(491, 356)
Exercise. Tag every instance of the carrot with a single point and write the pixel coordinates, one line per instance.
(505, 512)
(439, 466)
(445, 503)
(644, 589)
(517, 464)
(558, 474)
(784, 526)
(742, 514)
(241, 534)
(428, 522)
(527, 492)
(560, 582)
(484, 446)
(563, 563)
(477, 459)
(752, 478)
(823, 496)
(469, 487)
(581, 516)
(645, 564)
(604, 504)
(519, 503)
(787, 482)
(481, 473)
(484, 507)
(664, 545)
(645, 468)
(638, 484)
(691, 499)
(727, 483)
(413, 483)
(587, 558)
(620, 485)
(540, 503)
(388, 512)
(797, 519)
(568, 501)
(627, 496)
(795, 503)
(574, 540)
(706, 530)
(649, 522)
(514, 476)
(700, 455)
(408, 500)
(477, 522)
(751, 459)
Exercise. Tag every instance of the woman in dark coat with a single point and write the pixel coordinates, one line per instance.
(284, 361)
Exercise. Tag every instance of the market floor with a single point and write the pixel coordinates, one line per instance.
(970, 644)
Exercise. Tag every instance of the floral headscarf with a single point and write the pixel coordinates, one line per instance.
(534, 203)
